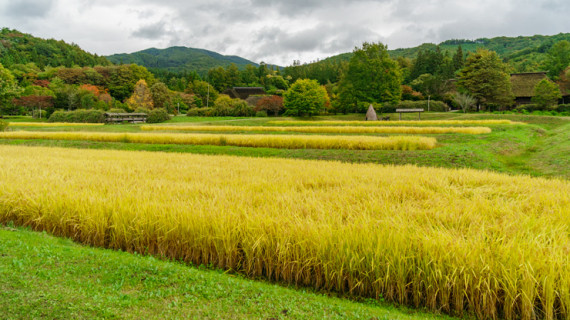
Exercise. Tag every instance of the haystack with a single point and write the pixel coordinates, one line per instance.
(371, 114)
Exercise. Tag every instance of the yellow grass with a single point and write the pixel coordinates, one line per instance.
(322, 129)
(265, 141)
(52, 124)
(396, 123)
(452, 240)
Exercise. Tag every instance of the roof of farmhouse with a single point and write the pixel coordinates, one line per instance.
(523, 83)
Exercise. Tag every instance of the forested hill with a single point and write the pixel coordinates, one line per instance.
(179, 59)
(523, 54)
(21, 48)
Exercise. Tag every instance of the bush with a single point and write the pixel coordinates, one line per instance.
(242, 109)
(117, 110)
(3, 125)
(434, 105)
(157, 115)
(261, 113)
(563, 108)
(528, 107)
(79, 116)
(200, 112)
(142, 110)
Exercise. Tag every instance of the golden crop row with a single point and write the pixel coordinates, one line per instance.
(395, 123)
(52, 124)
(256, 140)
(452, 240)
(321, 129)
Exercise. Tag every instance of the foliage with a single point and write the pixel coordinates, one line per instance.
(157, 115)
(21, 48)
(32, 102)
(9, 89)
(409, 94)
(203, 91)
(3, 125)
(261, 113)
(434, 106)
(226, 106)
(546, 94)
(141, 97)
(305, 97)
(486, 78)
(465, 101)
(558, 59)
(269, 104)
(83, 116)
(371, 77)
(161, 97)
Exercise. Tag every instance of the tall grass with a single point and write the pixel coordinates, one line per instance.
(265, 141)
(458, 241)
(396, 123)
(320, 129)
(52, 124)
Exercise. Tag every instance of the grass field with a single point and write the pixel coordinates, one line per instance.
(451, 240)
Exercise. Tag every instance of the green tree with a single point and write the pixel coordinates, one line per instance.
(305, 97)
(486, 78)
(458, 59)
(371, 77)
(558, 59)
(546, 94)
(8, 90)
(204, 91)
(160, 96)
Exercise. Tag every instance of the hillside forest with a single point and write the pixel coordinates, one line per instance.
(40, 76)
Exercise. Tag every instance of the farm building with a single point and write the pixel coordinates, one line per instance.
(523, 86)
(244, 92)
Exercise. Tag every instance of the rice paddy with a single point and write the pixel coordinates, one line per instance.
(454, 240)
(52, 124)
(265, 141)
(323, 129)
(396, 123)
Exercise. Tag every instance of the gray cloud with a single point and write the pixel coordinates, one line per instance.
(278, 31)
(28, 8)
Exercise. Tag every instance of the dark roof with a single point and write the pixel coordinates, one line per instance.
(244, 92)
(523, 83)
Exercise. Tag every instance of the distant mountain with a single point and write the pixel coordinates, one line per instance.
(21, 48)
(523, 54)
(178, 59)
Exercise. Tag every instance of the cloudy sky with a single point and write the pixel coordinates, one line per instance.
(278, 31)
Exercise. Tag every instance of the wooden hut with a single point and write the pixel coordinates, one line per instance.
(523, 86)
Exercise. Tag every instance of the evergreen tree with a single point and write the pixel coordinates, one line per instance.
(486, 78)
(371, 77)
(458, 59)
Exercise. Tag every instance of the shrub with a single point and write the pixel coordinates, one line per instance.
(3, 125)
(200, 112)
(80, 116)
(142, 110)
(242, 109)
(563, 108)
(528, 107)
(261, 113)
(434, 105)
(157, 115)
(117, 110)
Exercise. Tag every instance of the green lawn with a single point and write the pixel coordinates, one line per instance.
(44, 277)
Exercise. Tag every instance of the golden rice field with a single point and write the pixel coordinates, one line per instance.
(458, 241)
(256, 140)
(396, 123)
(322, 129)
(52, 124)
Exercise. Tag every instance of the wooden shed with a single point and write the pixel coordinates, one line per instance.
(523, 85)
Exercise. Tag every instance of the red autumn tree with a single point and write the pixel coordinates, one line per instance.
(272, 104)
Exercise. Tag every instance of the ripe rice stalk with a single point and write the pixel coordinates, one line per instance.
(262, 141)
(394, 123)
(461, 241)
(52, 124)
(323, 129)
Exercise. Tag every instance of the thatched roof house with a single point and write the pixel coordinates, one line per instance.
(523, 85)
(244, 92)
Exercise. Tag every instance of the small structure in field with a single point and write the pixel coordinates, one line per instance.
(419, 111)
(125, 117)
(244, 92)
(371, 114)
